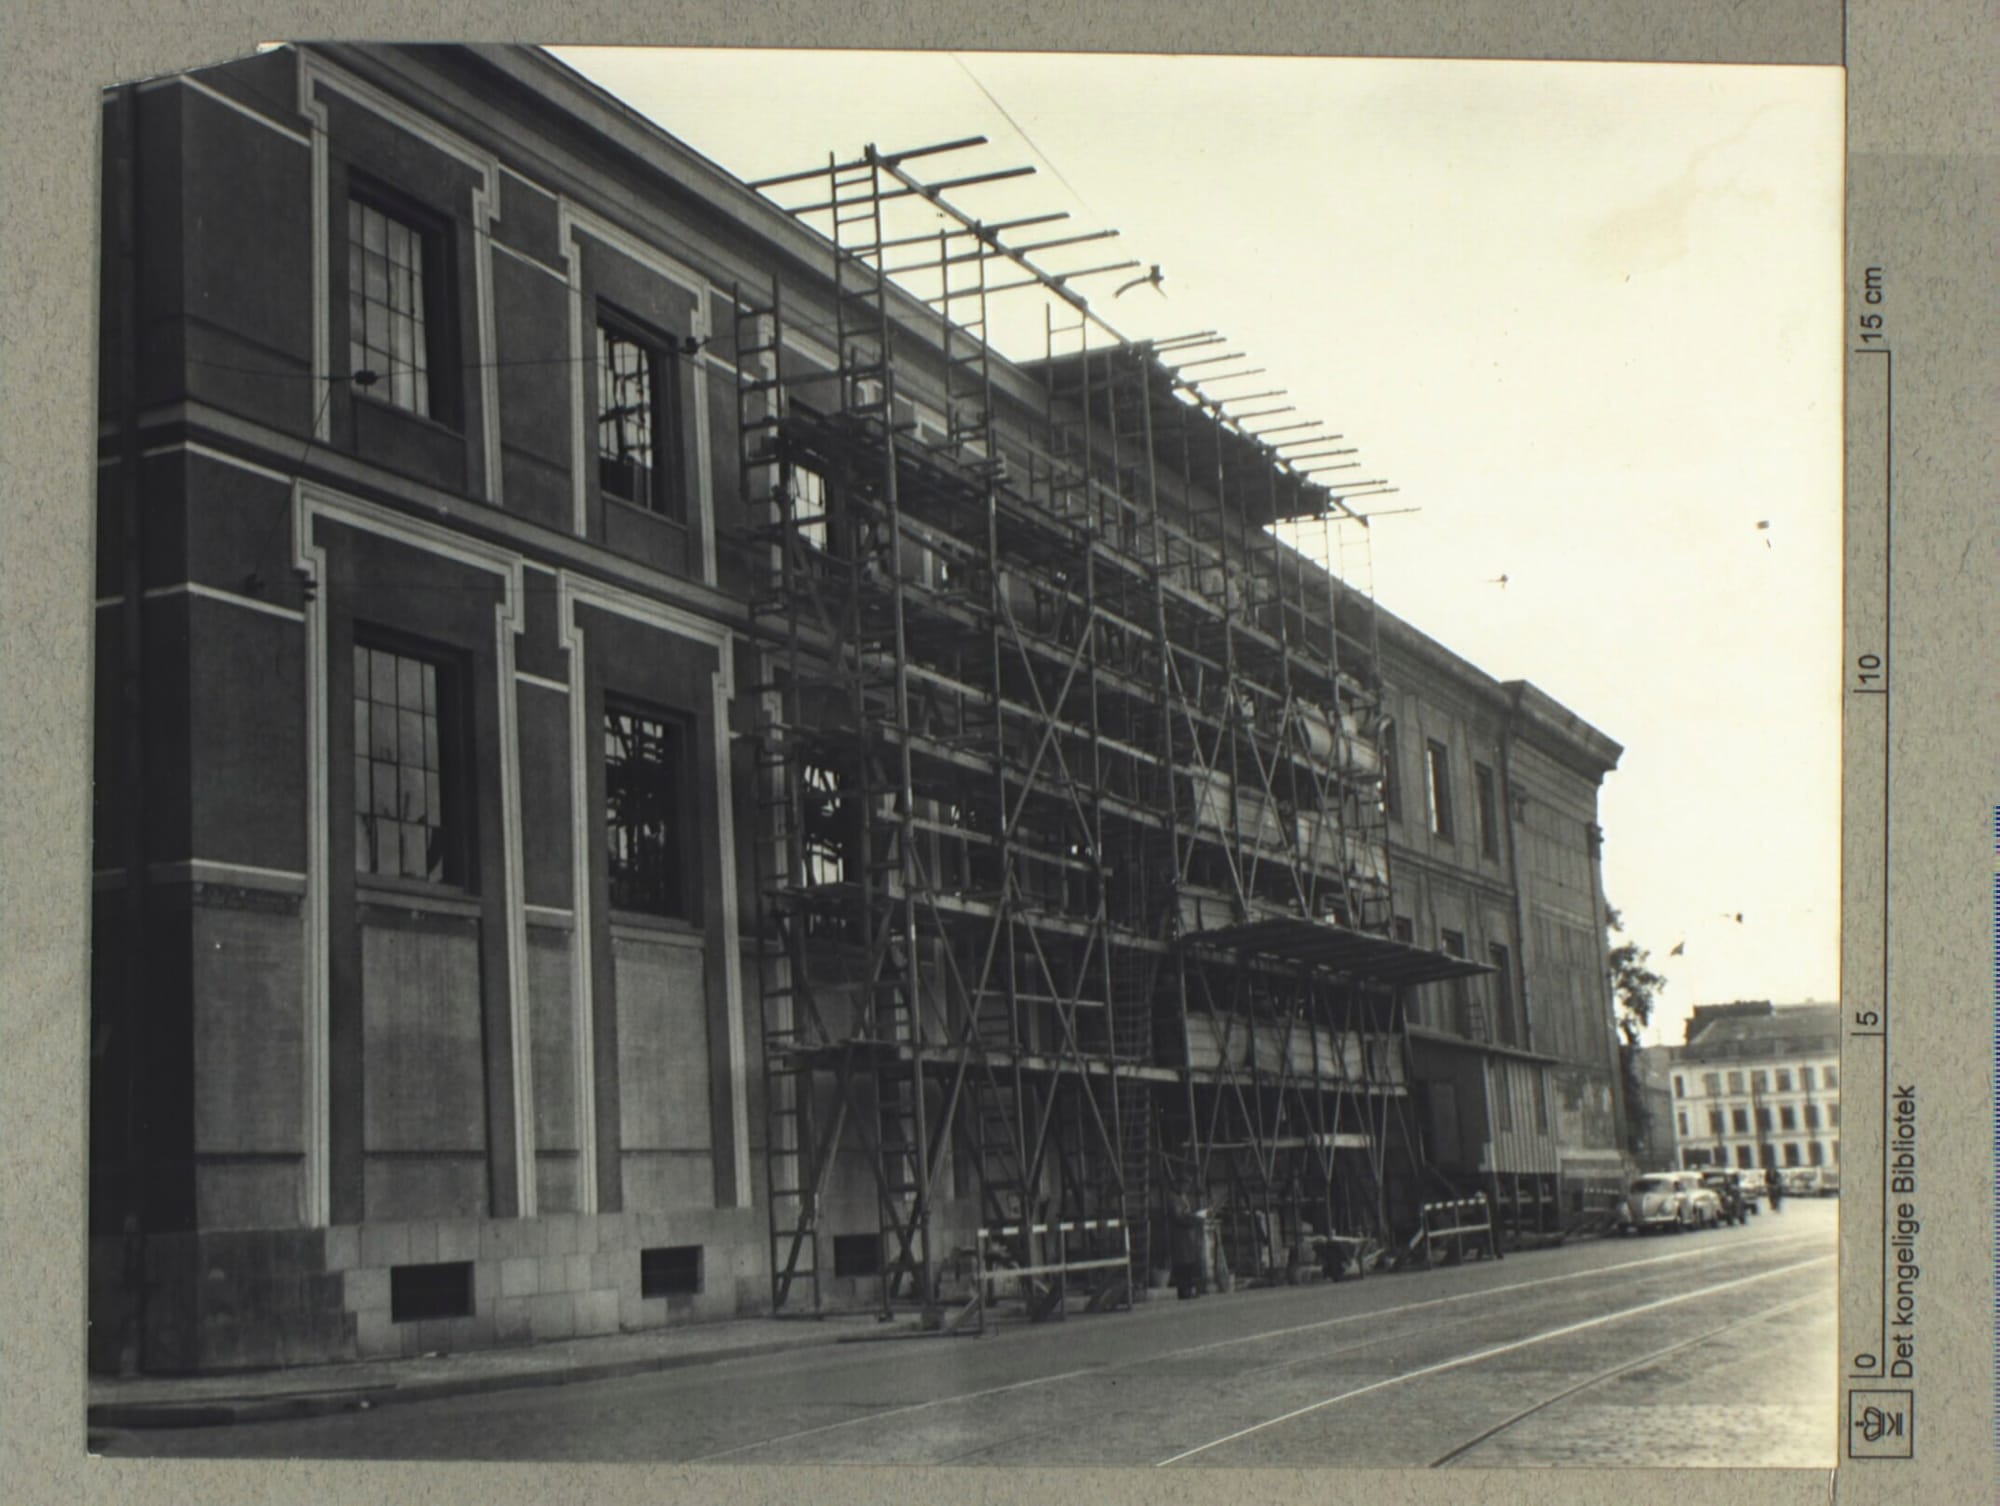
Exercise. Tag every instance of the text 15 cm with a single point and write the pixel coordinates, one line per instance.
(1871, 294)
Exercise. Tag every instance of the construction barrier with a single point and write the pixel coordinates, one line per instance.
(1059, 1269)
(1453, 1227)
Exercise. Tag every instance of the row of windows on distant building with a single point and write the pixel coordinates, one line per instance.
(413, 784)
(1775, 1080)
(1815, 1153)
(400, 327)
(1786, 1117)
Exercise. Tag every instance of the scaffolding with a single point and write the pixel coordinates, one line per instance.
(1072, 869)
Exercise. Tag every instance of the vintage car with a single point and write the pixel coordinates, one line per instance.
(1669, 1200)
(1801, 1181)
(1728, 1185)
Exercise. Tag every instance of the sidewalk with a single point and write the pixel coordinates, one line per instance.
(315, 1390)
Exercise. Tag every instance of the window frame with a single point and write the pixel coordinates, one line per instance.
(666, 487)
(1392, 784)
(681, 876)
(457, 795)
(1437, 784)
(442, 379)
(1485, 787)
(1501, 958)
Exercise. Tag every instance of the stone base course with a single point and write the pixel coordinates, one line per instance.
(250, 1299)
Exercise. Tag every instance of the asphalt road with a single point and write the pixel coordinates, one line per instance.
(1715, 1348)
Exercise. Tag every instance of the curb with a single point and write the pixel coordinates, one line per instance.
(230, 1411)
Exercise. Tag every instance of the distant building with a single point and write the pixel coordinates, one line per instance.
(1758, 1084)
(1658, 1124)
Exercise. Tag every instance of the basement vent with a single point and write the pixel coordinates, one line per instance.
(430, 1291)
(670, 1271)
(857, 1254)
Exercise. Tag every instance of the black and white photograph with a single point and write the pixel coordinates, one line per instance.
(813, 758)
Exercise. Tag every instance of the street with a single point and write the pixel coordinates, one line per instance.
(1708, 1349)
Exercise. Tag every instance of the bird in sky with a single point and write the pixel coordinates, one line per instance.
(1764, 527)
(1153, 279)
(1498, 580)
(1737, 916)
(1678, 948)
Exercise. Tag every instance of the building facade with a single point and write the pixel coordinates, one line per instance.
(1491, 800)
(644, 774)
(1757, 1084)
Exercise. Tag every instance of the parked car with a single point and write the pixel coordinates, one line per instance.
(1801, 1181)
(1738, 1202)
(1669, 1200)
(1754, 1184)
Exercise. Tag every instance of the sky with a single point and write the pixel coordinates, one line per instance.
(1584, 318)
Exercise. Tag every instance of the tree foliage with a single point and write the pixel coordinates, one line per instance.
(1634, 986)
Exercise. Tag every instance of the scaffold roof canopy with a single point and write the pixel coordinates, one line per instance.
(1321, 943)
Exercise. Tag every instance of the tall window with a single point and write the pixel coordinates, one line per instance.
(1806, 1078)
(1832, 1077)
(1812, 1116)
(1680, 1086)
(649, 833)
(1784, 1080)
(1786, 1118)
(1735, 1082)
(1437, 770)
(1682, 1120)
(1715, 1121)
(390, 309)
(404, 768)
(1760, 1082)
(825, 845)
(1711, 1084)
(808, 493)
(636, 457)
(1739, 1121)
(1392, 787)
(1503, 992)
(1483, 790)
(1465, 1017)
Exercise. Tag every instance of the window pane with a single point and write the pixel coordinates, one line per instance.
(412, 792)
(416, 859)
(385, 789)
(383, 676)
